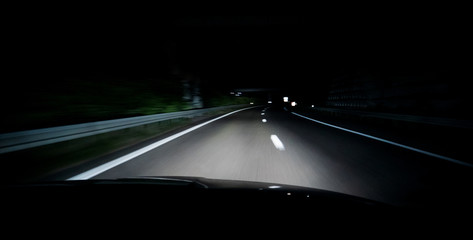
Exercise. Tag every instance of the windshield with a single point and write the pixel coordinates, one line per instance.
(378, 109)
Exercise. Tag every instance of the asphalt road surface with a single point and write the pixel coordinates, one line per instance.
(270, 144)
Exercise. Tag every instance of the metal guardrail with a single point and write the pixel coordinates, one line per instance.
(15, 141)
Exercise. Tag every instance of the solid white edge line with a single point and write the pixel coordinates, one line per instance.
(277, 143)
(389, 142)
(106, 166)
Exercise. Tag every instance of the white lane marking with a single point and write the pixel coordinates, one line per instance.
(277, 143)
(389, 142)
(106, 166)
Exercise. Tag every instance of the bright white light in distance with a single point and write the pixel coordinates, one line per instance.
(285, 99)
(264, 120)
(293, 104)
(274, 186)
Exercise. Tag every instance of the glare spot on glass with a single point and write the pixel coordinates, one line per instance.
(312, 105)
(289, 194)
(264, 120)
(262, 113)
(270, 101)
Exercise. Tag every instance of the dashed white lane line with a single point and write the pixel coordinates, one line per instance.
(277, 143)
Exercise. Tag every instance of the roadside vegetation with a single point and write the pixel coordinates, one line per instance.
(33, 105)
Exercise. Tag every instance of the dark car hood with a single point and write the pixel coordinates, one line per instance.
(189, 201)
(182, 191)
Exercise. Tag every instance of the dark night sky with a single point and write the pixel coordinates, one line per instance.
(237, 51)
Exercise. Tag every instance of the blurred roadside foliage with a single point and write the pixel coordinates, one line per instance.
(77, 100)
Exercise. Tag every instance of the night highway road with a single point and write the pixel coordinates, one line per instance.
(347, 119)
(271, 144)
